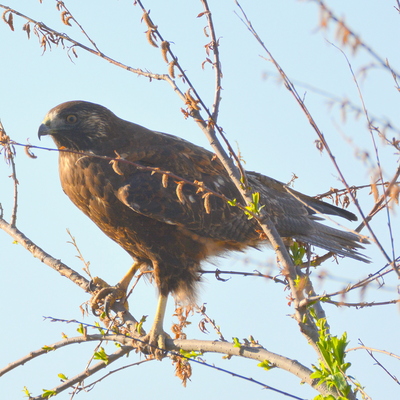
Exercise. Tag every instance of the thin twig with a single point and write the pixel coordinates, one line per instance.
(44, 257)
(55, 346)
(347, 33)
(9, 155)
(217, 63)
(92, 384)
(370, 352)
(207, 319)
(80, 255)
(121, 352)
(45, 30)
(359, 305)
(359, 285)
(363, 347)
(209, 128)
(289, 85)
(218, 272)
(62, 5)
(384, 199)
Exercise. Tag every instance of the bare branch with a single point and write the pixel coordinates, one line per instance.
(217, 63)
(255, 352)
(348, 37)
(68, 16)
(374, 351)
(88, 372)
(384, 199)
(52, 347)
(218, 272)
(80, 255)
(207, 319)
(371, 351)
(47, 32)
(44, 257)
(92, 384)
(9, 154)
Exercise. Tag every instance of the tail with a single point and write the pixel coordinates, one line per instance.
(339, 242)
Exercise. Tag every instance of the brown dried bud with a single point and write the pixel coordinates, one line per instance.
(179, 192)
(374, 190)
(394, 193)
(200, 186)
(164, 180)
(28, 152)
(151, 38)
(115, 166)
(65, 17)
(148, 22)
(191, 101)
(171, 69)
(10, 20)
(27, 29)
(207, 204)
(164, 50)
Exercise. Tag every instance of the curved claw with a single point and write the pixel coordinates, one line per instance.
(108, 296)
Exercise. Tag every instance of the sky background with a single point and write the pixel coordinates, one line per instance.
(261, 117)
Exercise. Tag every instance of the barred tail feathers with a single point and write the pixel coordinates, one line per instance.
(339, 242)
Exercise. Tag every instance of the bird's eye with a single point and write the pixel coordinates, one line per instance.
(72, 119)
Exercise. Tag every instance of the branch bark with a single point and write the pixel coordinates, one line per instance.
(44, 257)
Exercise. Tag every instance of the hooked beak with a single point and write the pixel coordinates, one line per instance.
(44, 130)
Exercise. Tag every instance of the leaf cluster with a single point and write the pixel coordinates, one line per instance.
(332, 366)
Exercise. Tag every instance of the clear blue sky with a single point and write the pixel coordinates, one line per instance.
(274, 138)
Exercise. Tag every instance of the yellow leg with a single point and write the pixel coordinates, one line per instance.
(126, 280)
(157, 335)
(158, 322)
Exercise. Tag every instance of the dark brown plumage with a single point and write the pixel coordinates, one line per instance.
(144, 213)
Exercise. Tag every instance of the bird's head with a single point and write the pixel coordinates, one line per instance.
(79, 125)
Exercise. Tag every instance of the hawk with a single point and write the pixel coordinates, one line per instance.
(153, 200)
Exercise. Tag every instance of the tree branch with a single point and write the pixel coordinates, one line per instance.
(44, 257)
(88, 372)
(9, 155)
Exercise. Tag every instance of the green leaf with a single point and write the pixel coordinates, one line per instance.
(190, 354)
(236, 342)
(101, 355)
(81, 329)
(297, 253)
(139, 326)
(340, 382)
(254, 206)
(266, 365)
(332, 367)
(48, 393)
(297, 280)
(48, 348)
(27, 393)
(232, 203)
(62, 377)
(100, 329)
